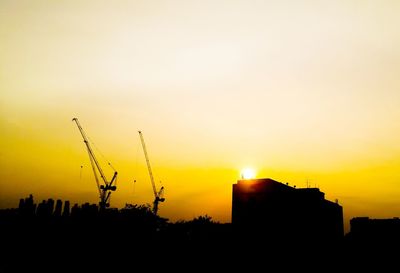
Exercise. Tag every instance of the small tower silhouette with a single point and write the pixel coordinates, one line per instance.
(57, 211)
(66, 209)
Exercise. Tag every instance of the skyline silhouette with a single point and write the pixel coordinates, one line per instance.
(258, 205)
(75, 235)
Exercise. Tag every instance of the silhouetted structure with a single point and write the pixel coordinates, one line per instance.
(58, 209)
(41, 234)
(45, 208)
(383, 231)
(27, 207)
(273, 223)
(275, 211)
(66, 209)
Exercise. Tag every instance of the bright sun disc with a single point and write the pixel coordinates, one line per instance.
(248, 173)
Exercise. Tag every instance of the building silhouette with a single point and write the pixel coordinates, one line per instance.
(66, 209)
(367, 230)
(58, 209)
(275, 211)
(27, 207)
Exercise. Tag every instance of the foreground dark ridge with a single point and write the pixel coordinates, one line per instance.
(47, 233)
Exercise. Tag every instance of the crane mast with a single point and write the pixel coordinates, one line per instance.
(107, 187)
(158, 196)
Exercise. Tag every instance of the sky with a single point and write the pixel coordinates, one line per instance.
(304, 92)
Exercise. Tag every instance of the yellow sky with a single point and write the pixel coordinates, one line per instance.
(299, 91)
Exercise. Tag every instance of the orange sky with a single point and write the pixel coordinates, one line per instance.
(298, 91)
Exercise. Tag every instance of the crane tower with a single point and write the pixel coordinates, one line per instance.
(158, 195)
(106, 187)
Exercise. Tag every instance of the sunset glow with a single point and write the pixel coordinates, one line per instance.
(307, 92)
(248, 173)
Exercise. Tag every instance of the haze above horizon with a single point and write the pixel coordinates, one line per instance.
(305, 93)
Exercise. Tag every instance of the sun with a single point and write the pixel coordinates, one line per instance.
(248, 173)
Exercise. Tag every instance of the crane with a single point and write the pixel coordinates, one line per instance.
(158, 195)
(107, 187)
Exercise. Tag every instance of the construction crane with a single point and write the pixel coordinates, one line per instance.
(158, 195)
(107, 186)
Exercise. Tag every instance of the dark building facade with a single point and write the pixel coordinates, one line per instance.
(277, 210)
(370, 230)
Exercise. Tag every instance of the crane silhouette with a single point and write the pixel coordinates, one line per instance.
(107, 187)
(158, 195)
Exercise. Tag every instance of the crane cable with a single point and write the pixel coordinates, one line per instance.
(104, 158)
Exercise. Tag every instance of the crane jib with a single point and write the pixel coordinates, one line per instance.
(157, 195)
(104, 190)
